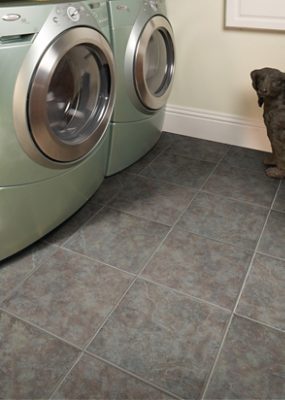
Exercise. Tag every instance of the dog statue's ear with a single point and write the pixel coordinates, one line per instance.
(260, 101)
(254, 78)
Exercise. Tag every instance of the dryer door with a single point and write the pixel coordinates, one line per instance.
(71, 96)
(154, 63)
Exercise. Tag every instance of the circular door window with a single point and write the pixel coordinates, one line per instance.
(71, 95)
(154, 63)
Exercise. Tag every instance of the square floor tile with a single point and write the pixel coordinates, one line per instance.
(169, 339)
(240, 157)
(279, 204)
(201, 267)
(119, 239)
(178, 169)
(31, 362)
(273, 238)
(263, 297)
(198, 149)
(16, 268)
(251, 365)
(248, 185)
(224, 219)
(70, 296)
(152, 199)
(92, 379)
(69, 227)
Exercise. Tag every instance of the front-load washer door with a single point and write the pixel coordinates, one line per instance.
(154, 63)
(70, 97)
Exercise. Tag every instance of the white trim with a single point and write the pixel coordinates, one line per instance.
(259, 14)
(215, 126)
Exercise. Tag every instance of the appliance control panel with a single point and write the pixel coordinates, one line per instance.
(15, 21)
(79, 12)
(71, 13)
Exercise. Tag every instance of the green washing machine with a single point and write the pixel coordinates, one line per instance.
(57, 95)
(143, 46)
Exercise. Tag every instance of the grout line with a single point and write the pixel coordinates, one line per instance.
(263, 323)
(138, 217)
(250, 203)
(213, 239)
(188, 295)
(34, 268)
(157, 180)
(61, 380)
(270, 256)
(39, 328)
(97, 260)
(206, 386)
(125, 371)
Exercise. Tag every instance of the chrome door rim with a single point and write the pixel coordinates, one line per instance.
(148, 99)
(42, 145)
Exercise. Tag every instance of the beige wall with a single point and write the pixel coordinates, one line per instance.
(213, 63)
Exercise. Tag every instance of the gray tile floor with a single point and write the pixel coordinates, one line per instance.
(169, 283)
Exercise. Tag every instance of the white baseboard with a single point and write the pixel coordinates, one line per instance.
(218, 127)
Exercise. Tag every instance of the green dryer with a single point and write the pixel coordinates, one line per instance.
(57, 95)
(143, 46)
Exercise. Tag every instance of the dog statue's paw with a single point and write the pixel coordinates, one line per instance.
(275, 172)
(269, 160)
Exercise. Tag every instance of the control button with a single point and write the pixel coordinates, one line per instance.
(122, 7)
(153, 4)
(11, 17)
(73, 14)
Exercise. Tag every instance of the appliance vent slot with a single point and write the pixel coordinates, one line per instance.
(11, 39)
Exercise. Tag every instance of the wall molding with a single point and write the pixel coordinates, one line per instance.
(219, 127)
(259, 14)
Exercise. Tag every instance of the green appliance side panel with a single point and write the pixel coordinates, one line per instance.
(131, 140)
(28, 212)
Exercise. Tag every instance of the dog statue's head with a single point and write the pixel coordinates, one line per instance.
(268, 82)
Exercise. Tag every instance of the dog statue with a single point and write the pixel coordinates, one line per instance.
(269, 84)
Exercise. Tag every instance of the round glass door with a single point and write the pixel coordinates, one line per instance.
(154, 63)
(71, 95)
